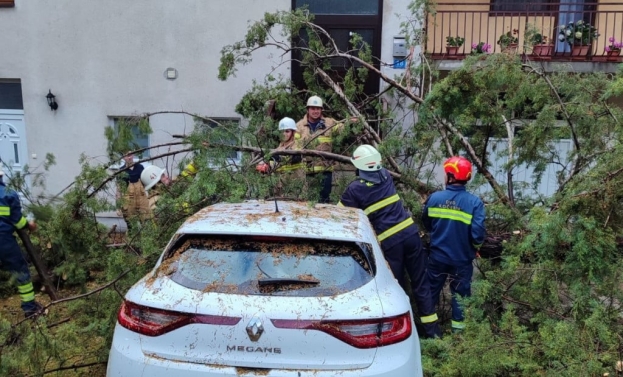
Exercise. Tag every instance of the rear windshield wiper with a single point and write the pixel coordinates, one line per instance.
(285, 281)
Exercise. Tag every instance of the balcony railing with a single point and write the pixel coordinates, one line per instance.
(485, 22)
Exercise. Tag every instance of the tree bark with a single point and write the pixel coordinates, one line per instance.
(35, 258)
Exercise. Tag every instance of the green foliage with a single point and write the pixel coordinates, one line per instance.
(549, 305)
(455, 41)
(508, 38)
(578, 33)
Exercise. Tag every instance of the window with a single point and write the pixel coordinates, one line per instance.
(521, 6)
(7, 3)
(140, 136)
(268, 267)
(342, 18)
(220, 130)
(343, 7)
(11, 94)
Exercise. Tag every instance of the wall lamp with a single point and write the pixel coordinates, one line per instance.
(52, 100)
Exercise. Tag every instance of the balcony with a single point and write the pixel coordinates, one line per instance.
(487, 21)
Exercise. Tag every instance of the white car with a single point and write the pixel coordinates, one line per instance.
(272, 289)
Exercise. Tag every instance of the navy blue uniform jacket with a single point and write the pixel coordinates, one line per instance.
(10, 211)
(383, 207)
(456, 222)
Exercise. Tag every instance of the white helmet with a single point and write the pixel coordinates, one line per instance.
(151, 175)
(314, 101)
(366, 158)
(287, 124)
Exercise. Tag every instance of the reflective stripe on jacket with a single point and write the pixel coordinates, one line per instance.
(11, 217)
(320, 140)
(455, 219)
(380, 202)
(285, 163)
(190, 170)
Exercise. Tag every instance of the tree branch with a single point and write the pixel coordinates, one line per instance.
(479, 164)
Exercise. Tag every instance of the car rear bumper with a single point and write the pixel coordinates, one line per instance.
(128, 360)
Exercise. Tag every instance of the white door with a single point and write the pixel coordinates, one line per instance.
(13, 150)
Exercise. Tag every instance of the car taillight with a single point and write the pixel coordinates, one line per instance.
(367, 333)
(153, 322)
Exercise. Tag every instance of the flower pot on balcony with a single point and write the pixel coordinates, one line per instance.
(613, 55)
(510, 48)
(542, 50)
(452, 50)
(580, 50)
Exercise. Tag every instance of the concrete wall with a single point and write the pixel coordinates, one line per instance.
(105, 58)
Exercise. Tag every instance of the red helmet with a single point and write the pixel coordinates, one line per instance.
(459, 167)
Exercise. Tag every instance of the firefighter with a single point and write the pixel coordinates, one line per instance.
(135, 203)
(190, 170)
(455, 220)
(289, 168)
(154, 177)
(374, 192)
(11, 256)
(316, 133)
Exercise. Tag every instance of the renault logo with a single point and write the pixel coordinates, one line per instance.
(255, 329)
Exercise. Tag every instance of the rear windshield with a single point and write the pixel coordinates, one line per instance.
(268, 265)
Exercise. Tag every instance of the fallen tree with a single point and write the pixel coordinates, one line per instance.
(548, 303)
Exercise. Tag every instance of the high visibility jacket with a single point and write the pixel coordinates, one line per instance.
(391, 221)
(11, 217)
(190, 170)
(286, 164)
(320, 139)
(456, 222)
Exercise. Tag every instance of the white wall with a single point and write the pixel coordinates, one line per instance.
(103, 58)
(394, 12)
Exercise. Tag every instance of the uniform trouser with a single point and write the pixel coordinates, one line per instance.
(460, 285)
(14, 262)
(135, 203)
(410, 256)
(326, 182)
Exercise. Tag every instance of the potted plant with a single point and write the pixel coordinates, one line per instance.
(480, 48)
(508, 41)
(613, 50)
(539, 43)
(580, 35)
(453, 44)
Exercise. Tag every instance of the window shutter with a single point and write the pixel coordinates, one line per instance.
(7, 3)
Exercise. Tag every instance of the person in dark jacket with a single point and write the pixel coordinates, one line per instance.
(374, 192)
(11, 256)
(134, 201)
(455, 219)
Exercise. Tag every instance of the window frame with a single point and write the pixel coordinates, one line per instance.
(203, 122)
(7, 3)
(113, 122)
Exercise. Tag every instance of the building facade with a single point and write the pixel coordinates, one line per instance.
(105, 60)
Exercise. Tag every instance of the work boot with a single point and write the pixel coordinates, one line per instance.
(32, 309)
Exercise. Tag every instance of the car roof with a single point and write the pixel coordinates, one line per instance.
(294, 219)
